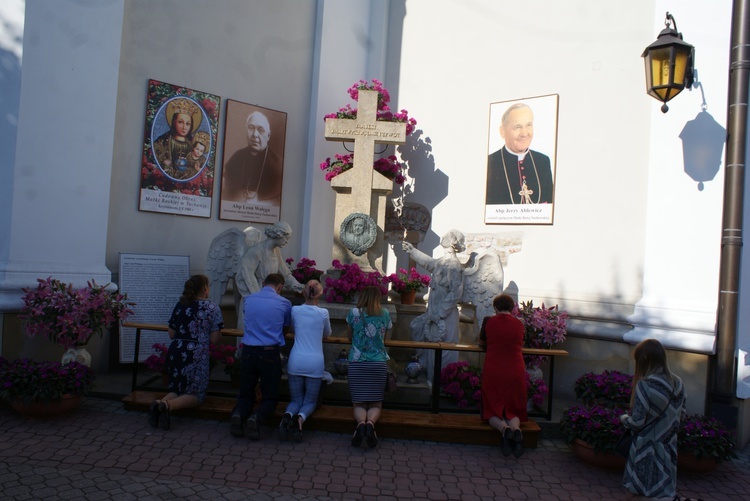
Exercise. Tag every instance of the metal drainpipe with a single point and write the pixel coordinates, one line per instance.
(724, 387)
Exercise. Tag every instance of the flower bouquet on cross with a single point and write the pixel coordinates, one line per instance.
(407, 280)
(389, 165)
(70, 317)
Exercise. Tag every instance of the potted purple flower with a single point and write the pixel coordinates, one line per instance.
(608, 389)
(543, 328)
(703, 443)
(43, 388)
(305, 270)
(70, 317)
(592, 433)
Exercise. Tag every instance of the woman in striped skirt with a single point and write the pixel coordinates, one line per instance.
(368, 325)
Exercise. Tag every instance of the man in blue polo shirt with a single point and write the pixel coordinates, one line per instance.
(267, 317)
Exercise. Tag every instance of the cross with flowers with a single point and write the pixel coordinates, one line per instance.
(358, 184)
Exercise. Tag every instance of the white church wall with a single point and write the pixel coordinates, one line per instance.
(508, 51)
(61, 177)
(254, 52)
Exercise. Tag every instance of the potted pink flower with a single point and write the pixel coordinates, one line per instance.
(351, 279)
(407, 283)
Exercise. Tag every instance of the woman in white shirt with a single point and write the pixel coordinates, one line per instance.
(310, 324)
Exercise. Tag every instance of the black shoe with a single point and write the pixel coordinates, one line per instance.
(359, 434)
(506, 444)
(372, 437)
(252, 428)
(153, 415)
(286, 423)
(164, 418)
(235, 426)
(518, 443)
(295, 427)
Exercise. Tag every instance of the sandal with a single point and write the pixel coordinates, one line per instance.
(164, 418)
(359, 434)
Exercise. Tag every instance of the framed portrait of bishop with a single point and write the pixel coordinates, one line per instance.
(521, 161)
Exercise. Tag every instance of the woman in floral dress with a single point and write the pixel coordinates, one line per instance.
(195, 322)
(658, 406)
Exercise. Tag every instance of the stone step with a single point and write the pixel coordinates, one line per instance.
(448, 427)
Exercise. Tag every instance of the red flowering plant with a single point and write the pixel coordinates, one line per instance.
(407, 280)
(462, 382)
(543, 328)
(224, 354)
(70, 317)
(351, 279)
(157, 361)
(305, 270)
(388, 166)
(609, 389)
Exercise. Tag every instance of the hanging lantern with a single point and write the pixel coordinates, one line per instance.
(669, 64)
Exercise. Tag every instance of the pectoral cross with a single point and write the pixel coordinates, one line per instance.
(526, 194)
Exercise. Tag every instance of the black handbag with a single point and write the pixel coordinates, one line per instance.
(623, 446)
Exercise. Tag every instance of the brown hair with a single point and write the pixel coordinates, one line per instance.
(193, 286)
(503, 302)
(274, 280)
(650, 358)
(369, 299)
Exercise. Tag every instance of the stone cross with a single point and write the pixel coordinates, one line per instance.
(355, 187)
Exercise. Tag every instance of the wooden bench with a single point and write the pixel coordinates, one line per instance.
(448, 427)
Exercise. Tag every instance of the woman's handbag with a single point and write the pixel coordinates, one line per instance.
(391, 383)
(623, 446)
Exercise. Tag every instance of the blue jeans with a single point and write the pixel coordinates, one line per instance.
(258, 363)
(303, 392)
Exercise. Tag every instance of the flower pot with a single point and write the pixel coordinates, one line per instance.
(607, 460)
(77, 354)
(687, 462)
(408, 297)
(47, 409)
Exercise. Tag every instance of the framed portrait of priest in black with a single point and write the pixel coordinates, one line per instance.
(521, 161)
(253, 163)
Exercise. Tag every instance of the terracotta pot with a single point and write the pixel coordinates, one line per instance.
(47, 409)
(606, 460)
(687, 462)
(408, 297)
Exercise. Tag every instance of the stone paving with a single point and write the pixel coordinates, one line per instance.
(101, 451)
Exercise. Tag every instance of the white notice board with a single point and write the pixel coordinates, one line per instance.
(154, 283)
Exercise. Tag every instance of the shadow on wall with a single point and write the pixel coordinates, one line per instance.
(702, 145)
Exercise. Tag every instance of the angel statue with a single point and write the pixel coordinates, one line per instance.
(452, 281)
(248, 259)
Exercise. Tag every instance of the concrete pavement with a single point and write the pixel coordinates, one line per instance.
(102, 452)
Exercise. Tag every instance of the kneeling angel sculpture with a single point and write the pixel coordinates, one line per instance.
(476, 281)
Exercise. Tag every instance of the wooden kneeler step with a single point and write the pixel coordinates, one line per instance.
(409, 425)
